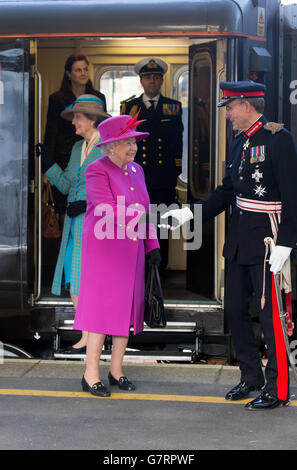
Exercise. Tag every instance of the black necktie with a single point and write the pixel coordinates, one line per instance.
(152, 106)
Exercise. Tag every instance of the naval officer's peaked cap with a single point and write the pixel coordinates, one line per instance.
(237, 90)
(150, 65)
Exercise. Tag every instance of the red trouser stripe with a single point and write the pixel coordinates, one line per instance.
(280, 346)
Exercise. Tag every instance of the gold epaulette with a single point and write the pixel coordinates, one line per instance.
(273, 127)
(123, 104)
(133, 110)
(128, 99)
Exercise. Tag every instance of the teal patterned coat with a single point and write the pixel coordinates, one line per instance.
(71, 182)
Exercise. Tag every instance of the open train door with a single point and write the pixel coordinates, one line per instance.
(206, 156)
(14, 185)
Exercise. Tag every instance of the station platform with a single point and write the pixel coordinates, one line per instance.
(174, 407)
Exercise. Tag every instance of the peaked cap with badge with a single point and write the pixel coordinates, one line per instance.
(238, 90)
(260, 184)
(150, 65)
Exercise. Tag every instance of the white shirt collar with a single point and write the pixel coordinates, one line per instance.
(146, 100)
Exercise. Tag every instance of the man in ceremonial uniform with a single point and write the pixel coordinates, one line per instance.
(160, 154)
(260, 184)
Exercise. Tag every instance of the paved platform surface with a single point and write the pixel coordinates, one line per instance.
(174, 406)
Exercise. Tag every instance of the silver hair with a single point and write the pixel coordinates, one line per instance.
(108, 148)
(258, 103)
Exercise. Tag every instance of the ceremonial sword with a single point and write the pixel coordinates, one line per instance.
(284, 316)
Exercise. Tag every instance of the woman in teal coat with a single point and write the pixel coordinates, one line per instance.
(86, 113)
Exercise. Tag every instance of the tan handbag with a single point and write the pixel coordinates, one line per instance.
(50, 222)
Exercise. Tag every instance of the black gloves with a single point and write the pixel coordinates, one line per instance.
(46, 159)
(75, 208)
(154, 257)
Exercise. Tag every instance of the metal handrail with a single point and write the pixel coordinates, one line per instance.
(216, 293)
(39, 260)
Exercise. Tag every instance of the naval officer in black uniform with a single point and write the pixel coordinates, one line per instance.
(260, 184)
(160, 154)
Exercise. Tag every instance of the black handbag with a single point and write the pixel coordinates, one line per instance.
(154, 313)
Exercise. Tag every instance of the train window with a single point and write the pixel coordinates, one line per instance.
(181, 86)
(117, 83)
(201, 124)
(181, 93)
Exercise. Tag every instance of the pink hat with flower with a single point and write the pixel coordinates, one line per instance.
(118, 128)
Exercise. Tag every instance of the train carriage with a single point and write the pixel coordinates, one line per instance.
(203, 42)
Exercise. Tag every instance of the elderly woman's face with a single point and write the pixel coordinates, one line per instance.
(83, 125)
(125, 150)
(79, 74)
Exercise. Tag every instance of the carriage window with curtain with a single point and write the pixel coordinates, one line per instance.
(201, 125)
(117, 84)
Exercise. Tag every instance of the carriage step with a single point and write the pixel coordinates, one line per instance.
(171, 327)
(176, 356)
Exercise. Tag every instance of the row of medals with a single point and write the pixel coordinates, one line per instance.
(257, 154)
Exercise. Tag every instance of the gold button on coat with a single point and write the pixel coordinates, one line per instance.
(131, 188)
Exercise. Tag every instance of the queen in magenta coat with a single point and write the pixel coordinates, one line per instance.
(114, 245)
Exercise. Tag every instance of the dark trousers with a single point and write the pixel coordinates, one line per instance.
(241, 282)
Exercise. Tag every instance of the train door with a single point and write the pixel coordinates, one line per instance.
(206, 156)
(192, 275)
(45, 250)
(35, 182)
(15, 86)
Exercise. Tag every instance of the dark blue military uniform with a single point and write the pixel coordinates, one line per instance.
(262, 169)
(265, 171)
(159, 154)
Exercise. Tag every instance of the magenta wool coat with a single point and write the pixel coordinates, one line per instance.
(114, 245)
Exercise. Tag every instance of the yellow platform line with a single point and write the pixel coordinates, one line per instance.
(124, 396)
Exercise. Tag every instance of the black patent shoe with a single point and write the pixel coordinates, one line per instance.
(241, 391)
(98, 389)
(123, 383)
(265, 401)
(71, 350)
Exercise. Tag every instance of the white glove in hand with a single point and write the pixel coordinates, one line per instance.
(179, 217)
(278, 258)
